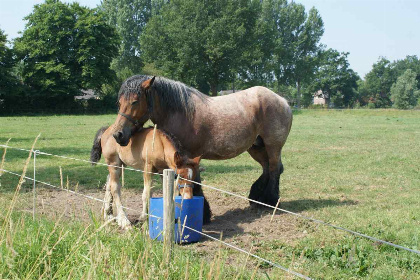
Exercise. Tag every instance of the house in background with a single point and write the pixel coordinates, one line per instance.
(86, 95)
(320, 98)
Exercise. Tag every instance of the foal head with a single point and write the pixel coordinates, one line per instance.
(187, 170)
(133, 110)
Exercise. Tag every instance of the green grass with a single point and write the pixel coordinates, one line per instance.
(43, 249)
(359, 169)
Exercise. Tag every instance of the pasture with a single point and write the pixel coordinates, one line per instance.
(359, 169)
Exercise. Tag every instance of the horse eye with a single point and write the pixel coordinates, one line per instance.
(134, 102)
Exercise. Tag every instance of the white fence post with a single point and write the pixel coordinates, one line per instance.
(34, 192)
(168, 212)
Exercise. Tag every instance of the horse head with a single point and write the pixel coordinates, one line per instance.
(187, 170)
(133, 111)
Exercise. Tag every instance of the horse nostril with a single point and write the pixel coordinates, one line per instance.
(118, 135)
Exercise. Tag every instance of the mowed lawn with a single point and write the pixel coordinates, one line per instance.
(359, 169)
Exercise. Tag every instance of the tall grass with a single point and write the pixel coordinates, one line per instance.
(46, 249)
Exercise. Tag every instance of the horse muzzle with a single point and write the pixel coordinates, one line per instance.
(121, 139)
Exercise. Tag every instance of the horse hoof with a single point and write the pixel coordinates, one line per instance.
(124, 223)
(142, 219)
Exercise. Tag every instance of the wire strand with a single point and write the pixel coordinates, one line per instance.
(201, 233)
(251, 200)
(307, 218)
(82, 160)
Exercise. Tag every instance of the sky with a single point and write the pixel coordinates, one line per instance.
(367, 29)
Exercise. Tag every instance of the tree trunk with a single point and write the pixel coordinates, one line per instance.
(298, 94)
(213, 89)
(233, 84)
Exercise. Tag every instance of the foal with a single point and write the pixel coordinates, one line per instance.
(149, 150)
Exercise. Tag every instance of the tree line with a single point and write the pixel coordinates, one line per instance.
(210, 45)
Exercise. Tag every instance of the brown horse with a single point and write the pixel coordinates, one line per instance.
(149, 150)
(255, 120)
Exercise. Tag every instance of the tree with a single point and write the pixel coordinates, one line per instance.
(65, 48)
(410, 62)
(405, 93)
(129, 17)
(335, 78)
(378, 83)
(297, 44)
(257, 66)
(7, 79)
(201, 42)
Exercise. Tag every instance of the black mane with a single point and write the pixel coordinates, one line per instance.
(173, 96)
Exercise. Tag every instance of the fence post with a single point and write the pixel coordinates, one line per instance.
(34, 192)
(168, 212)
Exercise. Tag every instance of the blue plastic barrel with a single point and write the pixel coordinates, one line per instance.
(190, 208)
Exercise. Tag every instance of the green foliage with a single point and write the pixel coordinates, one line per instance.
(7, 80)
(405, 93)
(65, 48)
(410, 62)
(11, 88)
(129, 18)
(335, 78)
(378, 83)
(200, 42)
(296, 46)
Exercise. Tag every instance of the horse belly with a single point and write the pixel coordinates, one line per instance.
(229, 145)
(131, 159)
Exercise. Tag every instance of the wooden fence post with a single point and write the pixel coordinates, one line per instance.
(168, 212)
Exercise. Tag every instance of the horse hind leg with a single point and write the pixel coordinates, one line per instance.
(271, 193)
(259, 153)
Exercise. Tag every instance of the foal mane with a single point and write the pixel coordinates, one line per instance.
(174, 141)
(173, 96)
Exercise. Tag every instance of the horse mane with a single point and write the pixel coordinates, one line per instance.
(173, 96)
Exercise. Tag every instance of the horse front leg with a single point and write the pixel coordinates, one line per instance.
(122, 220)
(147, 193)
(198, 191)
(107, 207)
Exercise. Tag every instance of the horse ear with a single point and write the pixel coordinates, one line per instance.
(148, 83)
(196, 160)
(179, 161)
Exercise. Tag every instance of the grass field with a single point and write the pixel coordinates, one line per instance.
(359, 169)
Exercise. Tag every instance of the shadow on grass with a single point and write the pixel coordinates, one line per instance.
(230, 220)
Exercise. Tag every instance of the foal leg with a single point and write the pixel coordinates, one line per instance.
(147, 193)
(107, 207)
(122, 220)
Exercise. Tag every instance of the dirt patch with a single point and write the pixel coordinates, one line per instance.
(233, 216)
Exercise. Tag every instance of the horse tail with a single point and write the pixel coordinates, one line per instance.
(96, 152)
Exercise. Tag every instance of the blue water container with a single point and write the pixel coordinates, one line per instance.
(190, 208)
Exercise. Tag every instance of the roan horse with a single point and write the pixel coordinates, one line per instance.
(255, 120)
(149, 150)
